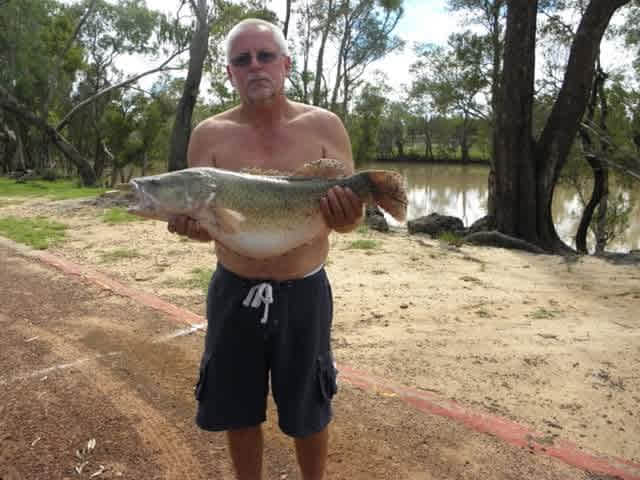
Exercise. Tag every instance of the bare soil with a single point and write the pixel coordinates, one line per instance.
(551, 344)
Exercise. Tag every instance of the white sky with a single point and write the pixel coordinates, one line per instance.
(423, 21)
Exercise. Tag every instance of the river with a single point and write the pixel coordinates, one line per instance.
(461, 191)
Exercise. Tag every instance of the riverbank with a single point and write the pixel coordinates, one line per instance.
(548, 343)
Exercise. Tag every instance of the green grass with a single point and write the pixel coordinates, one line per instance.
(119, 215)
(363, 244)
(200, 278)
(542, 313)
(58, 190)
(450, 238)
(38, 233)
(363, 229)
(119, 254)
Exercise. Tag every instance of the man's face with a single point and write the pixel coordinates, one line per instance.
(256, 67)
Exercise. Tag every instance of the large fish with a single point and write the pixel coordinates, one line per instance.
(260, 216)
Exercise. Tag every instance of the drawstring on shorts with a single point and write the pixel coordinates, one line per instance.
(260, 294)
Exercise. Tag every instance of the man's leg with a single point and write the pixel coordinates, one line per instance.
(246, 452)
(312, 454)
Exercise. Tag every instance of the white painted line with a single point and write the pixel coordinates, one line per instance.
(61, 366)
(180, 333)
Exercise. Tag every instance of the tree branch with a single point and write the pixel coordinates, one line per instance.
(124, 83)
(76, 32)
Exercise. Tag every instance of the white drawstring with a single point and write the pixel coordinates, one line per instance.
(261, 294)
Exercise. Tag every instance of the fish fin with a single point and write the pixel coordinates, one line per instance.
(322, 168)
(227, 220)
(389, 192)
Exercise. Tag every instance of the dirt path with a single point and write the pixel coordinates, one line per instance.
(81, 363)
(549, 344)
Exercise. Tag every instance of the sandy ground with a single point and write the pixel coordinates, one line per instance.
(554, 345)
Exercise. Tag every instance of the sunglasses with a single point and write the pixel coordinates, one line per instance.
(263, 57)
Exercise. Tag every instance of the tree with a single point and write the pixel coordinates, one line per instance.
(365, 29)
(452, 80)
(197, 52)
(365, 124)
(527, 170)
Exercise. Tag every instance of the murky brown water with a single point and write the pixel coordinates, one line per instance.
(461, 191)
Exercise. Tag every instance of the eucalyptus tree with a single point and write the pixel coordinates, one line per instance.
(365, 31)
(527, 169)
(325, 29)
(32, 55)
(365, 124)
(203, 13)
(97, 32)
(452, 80)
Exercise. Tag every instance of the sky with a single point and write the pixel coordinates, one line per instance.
(423, 21)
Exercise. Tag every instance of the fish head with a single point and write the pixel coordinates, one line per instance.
(183, 192)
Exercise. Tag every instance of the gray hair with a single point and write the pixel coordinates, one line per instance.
(259, 24)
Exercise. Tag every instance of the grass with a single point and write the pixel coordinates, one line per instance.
(119, 215)
(58, 190)
(38, 233)
(363, 244)
(362, 229)
(542, 313)
(200, 278)
(451, 238)
(8, 203)
(119, 254)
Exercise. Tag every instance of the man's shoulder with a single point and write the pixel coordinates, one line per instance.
(315, 112)
(219, 121)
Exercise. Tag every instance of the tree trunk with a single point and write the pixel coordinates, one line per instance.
(513, 144)
(596, 197)
(526, 173)
(317, 84)
(428, 143)
(563, 123)
(464, 140)
(600, 176)
(341, 54)
(182, 125)
(8, 102)
(287, 17)
(496, 75)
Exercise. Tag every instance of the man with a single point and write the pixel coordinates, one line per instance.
(288, 334)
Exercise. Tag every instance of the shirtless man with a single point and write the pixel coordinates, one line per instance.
(288, 336)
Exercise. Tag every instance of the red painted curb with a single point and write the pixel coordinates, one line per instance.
(507, 430)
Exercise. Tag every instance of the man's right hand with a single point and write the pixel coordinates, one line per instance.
(187, 226)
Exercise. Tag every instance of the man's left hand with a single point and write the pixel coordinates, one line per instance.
(342, 209)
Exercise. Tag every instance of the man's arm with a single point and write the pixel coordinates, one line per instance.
(342, 209)
(198, 155)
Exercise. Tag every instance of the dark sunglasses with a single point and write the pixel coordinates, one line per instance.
(263, 57)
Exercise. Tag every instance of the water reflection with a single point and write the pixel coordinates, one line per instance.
(461, 191)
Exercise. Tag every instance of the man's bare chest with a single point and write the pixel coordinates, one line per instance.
(284, 150)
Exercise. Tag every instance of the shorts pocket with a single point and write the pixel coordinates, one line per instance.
(200, 386)
(327, 376)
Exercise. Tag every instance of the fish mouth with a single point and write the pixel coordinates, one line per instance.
(143, 205)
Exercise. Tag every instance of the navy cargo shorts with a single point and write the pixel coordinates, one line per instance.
(257, 328)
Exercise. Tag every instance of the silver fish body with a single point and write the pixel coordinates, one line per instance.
(258, 216)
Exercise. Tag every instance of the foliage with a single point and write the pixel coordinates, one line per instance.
(39, 233)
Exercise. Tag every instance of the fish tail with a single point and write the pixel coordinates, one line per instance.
(388, 191)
